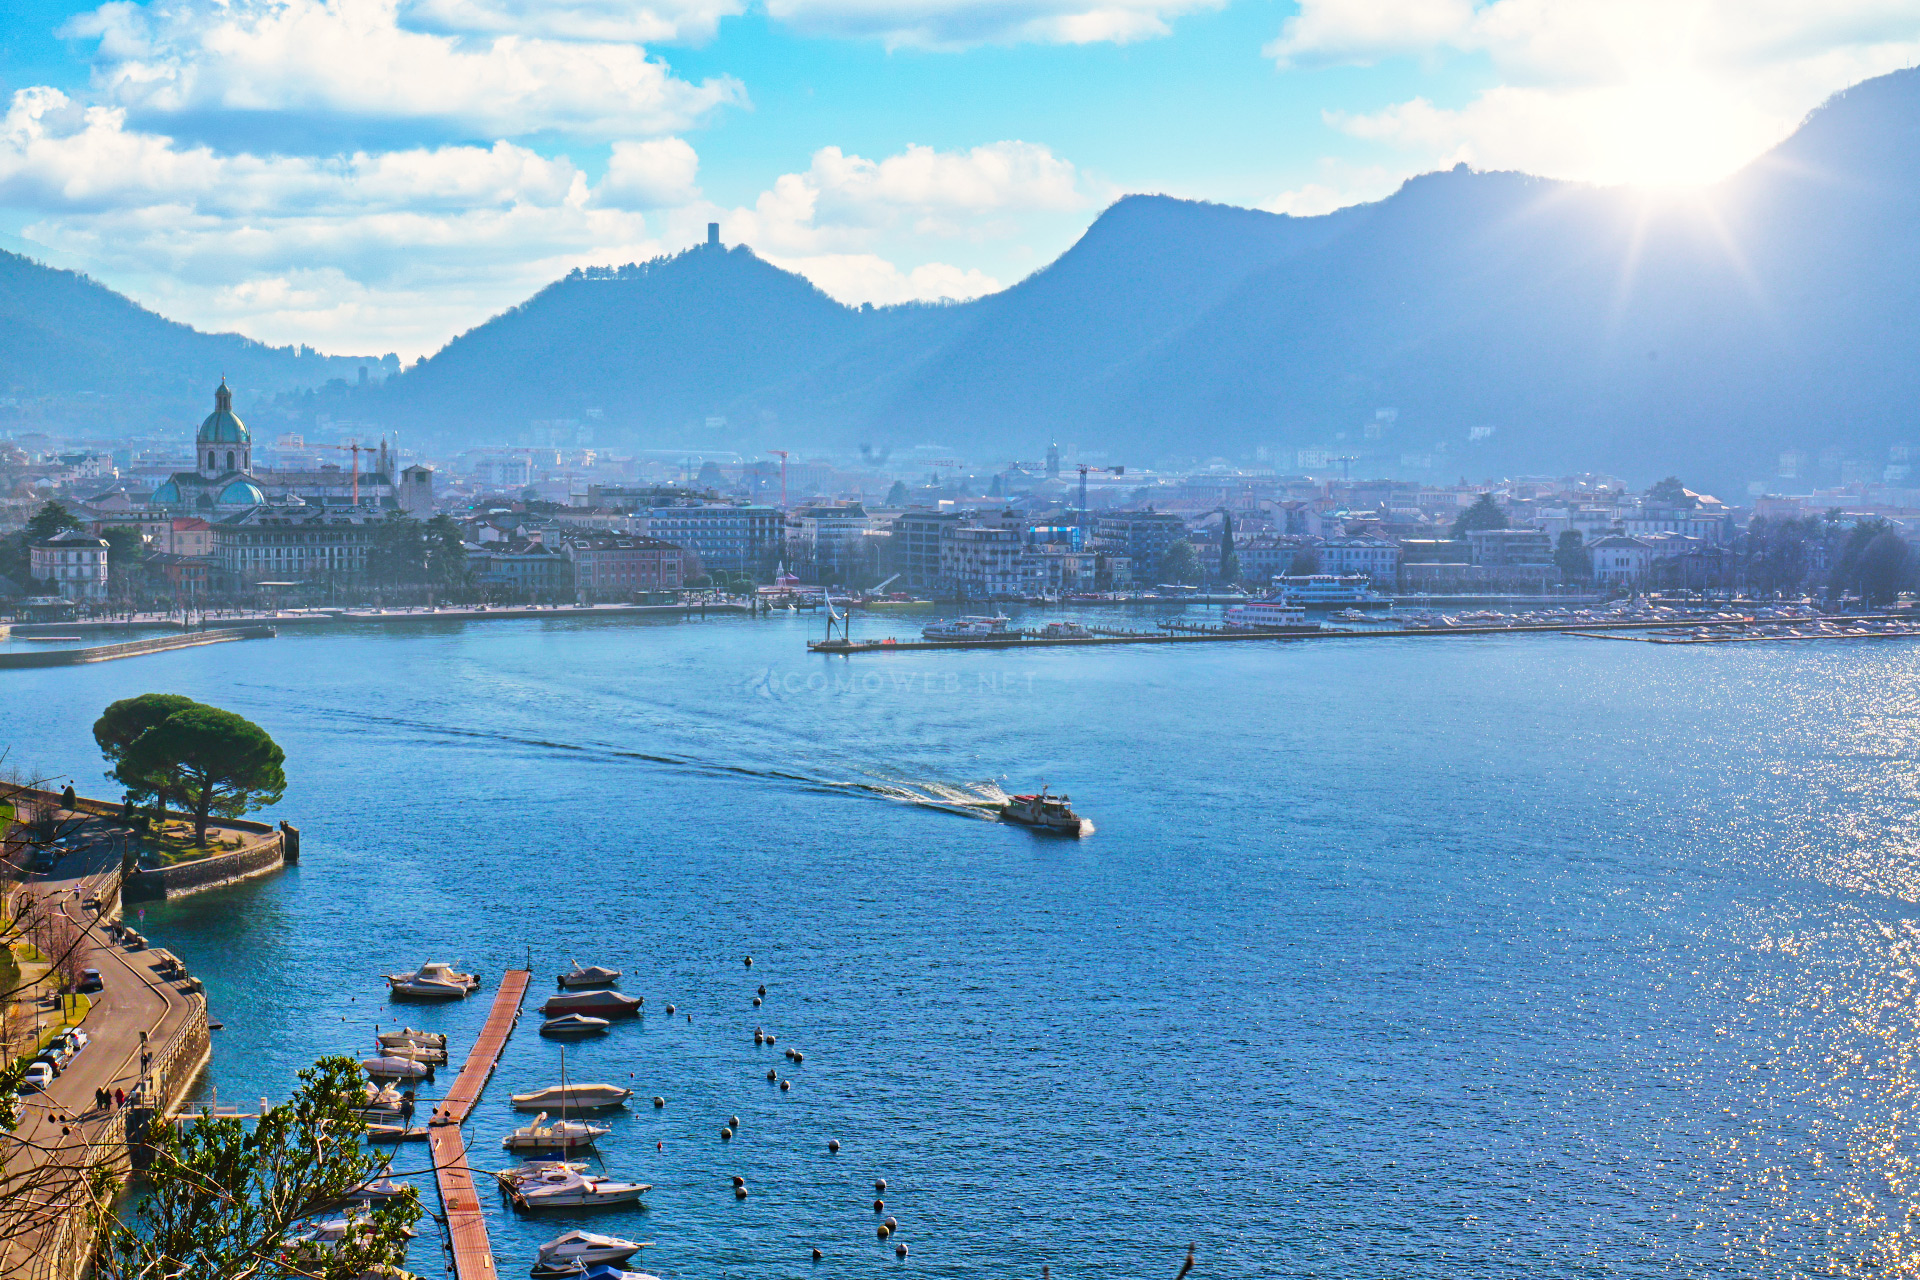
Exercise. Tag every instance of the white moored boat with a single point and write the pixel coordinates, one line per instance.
(593, 975)
(561, 1135)
(394, 1067)
(407, 1036)
(598, 1004)
(564, 1253)
(574, 1024)
(1048, 812)
(554, 1184)
(414, 1053)
(973, 628)
(432, 981)
(572, 1097)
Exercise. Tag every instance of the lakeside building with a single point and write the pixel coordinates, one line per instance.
(615, 566)
(288, 543)
(71, 564)
(734, 537)
(1621, 561)
(1144, 537)
(827, 541)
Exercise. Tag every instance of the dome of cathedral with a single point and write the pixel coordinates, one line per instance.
(242, 493)
(222, 426)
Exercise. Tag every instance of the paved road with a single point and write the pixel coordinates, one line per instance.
(56, 1124)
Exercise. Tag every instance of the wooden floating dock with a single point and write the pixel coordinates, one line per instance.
(1241, 637)
(466, 1224)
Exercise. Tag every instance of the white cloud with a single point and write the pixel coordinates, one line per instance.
(610, 20)
(352, 60)
(1367, 30)
(400, 250)
(854, 278)
(655, 174)
(955, 24)
(843, 200)
(1656, 91)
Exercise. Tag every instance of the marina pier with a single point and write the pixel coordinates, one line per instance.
(471, 1253)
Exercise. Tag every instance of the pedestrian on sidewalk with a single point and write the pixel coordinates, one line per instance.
(119, 1098)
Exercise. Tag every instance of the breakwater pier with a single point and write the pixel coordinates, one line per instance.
(467, 1244)
(1698, 629)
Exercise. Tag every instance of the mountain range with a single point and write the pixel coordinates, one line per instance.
(1507, 323)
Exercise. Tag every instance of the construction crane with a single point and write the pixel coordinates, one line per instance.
(1083, 468)
(356, 448)
(782, 455)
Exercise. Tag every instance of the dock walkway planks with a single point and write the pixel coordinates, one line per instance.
(466, 1224)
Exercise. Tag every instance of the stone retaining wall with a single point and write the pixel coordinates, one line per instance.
(207, 873)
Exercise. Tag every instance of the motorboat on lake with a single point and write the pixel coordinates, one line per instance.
(432, 981)
(394, 1067)
(379, 1101)
(1063, 631)
(592, 975)
(407, 1036)
(562, 1135)
(554, 1184)
(600, 1004)
(380, 1189)
(573, 1252)
(971, 628)
(572, 1097)
(414, 1053)
(574, 1024)
(1044, 810)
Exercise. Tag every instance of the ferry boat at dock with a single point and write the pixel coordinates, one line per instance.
(1330, 591)
(1267, 616)
(969, 628)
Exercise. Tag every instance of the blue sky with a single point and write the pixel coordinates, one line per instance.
(372, 175)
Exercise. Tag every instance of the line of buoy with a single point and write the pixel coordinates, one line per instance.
(659, 1102)
(833, 1145)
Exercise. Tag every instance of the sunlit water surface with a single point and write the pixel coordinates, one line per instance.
(1457, 957)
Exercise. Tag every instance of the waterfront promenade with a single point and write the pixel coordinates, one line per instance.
(62, 1134)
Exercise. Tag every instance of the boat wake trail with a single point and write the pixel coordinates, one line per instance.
(971, 800)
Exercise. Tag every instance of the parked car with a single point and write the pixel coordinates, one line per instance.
(56, 1060)
(39, 1076)
(90, 980)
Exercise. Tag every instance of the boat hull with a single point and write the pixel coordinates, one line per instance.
(571, 1099)
(1057, 826)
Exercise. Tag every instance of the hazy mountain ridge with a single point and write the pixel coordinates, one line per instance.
(82, 357)
(1515, 324)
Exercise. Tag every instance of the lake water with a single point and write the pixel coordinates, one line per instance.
(1442, 958)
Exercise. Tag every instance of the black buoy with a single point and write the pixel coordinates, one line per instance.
(689, 1017)
(833, 1145)
(785, 1085)
(900, 1250)
(880, 1184)
(659, 1102)
(726, 1135)
(739, 1193)
(763, 989)
(733, 1122)
(756, 1002)
(799, 1056)
(669, 1011)
(879, 1206)
(817, 1255)
(749, 962)
(772, 1075)
(739, 1181)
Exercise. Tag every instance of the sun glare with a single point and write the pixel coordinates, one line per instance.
(1674, 131)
